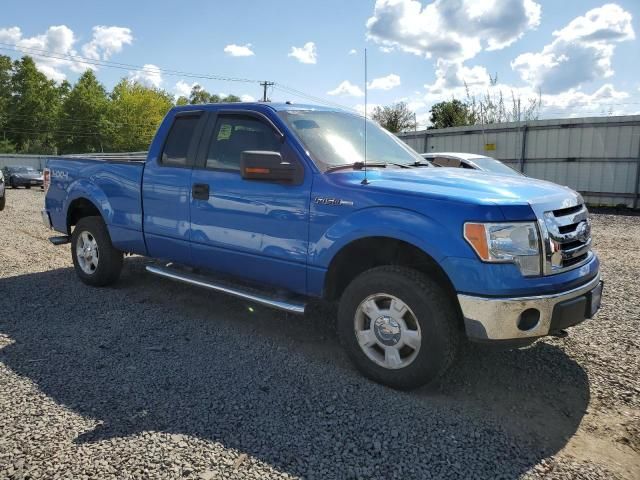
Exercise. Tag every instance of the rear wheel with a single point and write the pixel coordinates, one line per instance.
(97, 262)
(398, 327)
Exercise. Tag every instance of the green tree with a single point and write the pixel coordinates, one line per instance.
(7, 147)
(200, 95)
(6, 71)
(231, 99)
(182, 101)
(451, 113)
(396, 117)
(33, 108)
(133, 115)
(82, 117)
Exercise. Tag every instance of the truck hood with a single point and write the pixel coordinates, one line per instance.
(471, 186)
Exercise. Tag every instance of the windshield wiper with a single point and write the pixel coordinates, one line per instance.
(361, 165)
(422, 163)
(357, 166)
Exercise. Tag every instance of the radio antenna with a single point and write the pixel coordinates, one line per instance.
(365, 181)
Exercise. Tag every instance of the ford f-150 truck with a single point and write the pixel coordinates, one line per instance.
(282, 204)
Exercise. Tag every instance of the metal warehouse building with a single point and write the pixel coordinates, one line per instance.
(598, 156)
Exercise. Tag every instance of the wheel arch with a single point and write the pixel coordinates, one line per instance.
(79, 208)
(365, 253)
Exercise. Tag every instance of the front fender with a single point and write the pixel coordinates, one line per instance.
(415, 228)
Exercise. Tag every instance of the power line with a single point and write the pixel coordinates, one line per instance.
(37, 52)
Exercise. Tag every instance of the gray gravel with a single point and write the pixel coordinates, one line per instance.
(151, 379)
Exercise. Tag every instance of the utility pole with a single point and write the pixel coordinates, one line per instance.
(265, 85)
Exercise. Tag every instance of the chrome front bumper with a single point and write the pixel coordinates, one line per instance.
(488, 319)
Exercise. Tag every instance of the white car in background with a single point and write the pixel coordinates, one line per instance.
(471, 161)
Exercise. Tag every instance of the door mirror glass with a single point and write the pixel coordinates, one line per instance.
(261, 165)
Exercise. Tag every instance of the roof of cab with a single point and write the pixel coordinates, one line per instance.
(278, 107)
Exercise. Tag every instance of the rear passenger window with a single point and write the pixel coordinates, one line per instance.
(178, 141)
(233, 134)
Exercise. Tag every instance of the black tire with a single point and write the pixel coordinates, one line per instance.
(432, 309)
(13, 183)
(109, 263)
(28, 187)
(3, 202)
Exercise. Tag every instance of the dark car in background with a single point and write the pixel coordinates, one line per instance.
(3, 198)
(471, 161)
(18, 176)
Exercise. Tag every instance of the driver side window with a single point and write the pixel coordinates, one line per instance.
(233, 134)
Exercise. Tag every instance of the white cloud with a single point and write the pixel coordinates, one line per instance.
(183, 89)
(247, 98)
(239, 50)
(149, 76)
(347, 88)
(305, 54)
(452, 75)
(385, 83)
(353, 51)
(451, 29)
(60, 40)
(580, 53)
(107, 41)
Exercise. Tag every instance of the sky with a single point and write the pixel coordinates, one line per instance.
(582, 58)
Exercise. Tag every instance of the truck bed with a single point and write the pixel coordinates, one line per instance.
(112, 184)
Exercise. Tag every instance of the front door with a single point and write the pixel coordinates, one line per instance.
(248, 228)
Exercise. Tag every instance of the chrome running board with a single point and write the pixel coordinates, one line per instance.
(256, 296)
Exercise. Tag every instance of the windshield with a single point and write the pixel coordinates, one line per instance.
(22, 170)
(493, 165)
(335, 138)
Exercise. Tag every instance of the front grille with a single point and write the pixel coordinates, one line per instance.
(569, 238)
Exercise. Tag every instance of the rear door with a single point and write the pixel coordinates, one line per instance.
(166, 189)
(252, 229)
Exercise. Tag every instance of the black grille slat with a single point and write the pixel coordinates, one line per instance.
(568, 228)
(567, 211)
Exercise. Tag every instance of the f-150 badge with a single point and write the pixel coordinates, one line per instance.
(336, 202)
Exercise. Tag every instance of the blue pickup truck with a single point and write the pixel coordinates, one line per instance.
(284, 204)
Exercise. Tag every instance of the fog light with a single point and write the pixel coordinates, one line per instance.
(529, 319)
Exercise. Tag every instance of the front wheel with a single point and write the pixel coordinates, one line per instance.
(97, 262)
(398, 327)
(3, 201)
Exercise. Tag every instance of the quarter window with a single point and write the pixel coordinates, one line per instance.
(233, 134)
(176, 148)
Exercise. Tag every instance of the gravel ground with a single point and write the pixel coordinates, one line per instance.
(152, 379)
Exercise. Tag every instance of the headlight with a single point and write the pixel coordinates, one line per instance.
(506, 242)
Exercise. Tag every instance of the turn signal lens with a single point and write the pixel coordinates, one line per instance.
(476, 235)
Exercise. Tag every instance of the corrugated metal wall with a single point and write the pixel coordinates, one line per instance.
(35, 161)
(598, 156)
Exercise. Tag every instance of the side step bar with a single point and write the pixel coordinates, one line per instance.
(61, 240)
(256, 296)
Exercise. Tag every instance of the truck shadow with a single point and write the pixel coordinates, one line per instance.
(150, 355)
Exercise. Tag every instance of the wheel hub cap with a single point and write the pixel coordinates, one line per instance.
(387, 330)
(87, 252)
